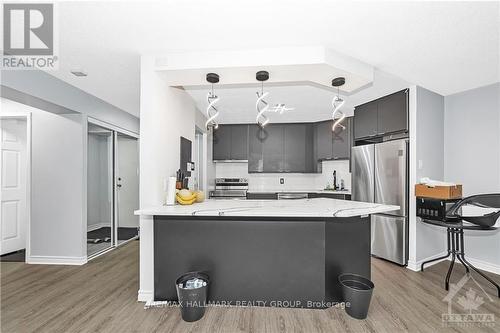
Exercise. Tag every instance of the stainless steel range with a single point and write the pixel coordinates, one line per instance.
(230, 188)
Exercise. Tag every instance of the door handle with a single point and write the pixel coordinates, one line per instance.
(118, 185)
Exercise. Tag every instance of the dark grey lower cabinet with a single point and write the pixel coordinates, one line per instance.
(311, 195)
(262, 195)
(339, 196)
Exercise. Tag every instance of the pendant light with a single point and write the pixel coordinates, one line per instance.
(261, 105)
(212, 99)
(337, 102)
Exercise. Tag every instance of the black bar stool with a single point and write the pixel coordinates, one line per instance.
(455, 230)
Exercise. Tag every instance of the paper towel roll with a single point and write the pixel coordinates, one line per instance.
(170, 189)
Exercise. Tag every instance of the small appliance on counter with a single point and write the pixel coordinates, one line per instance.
(227, 188)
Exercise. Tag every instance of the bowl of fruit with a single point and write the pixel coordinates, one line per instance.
(187, 197)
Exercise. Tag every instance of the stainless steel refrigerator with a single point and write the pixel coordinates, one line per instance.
(380, 175)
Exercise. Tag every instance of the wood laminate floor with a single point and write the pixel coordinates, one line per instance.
(101, 297)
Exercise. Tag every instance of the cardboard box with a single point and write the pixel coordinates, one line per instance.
(438, 192)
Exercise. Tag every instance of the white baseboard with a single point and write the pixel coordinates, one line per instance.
(415, 265)
(50, 260)
(145, 296)
(482, 265)
(99, 225)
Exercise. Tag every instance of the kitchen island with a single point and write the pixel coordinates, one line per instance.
(271, 253)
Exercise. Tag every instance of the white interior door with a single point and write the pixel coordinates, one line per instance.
(13, 211)
(127, 181)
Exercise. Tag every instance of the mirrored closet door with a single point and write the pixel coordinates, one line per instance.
(99, 189)
(112, 188)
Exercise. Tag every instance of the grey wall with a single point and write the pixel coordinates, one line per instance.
(472, 156)
(57, 185)
(58, 151)
(42, 90)
(429, 163)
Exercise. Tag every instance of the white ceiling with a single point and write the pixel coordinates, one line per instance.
(446, 47)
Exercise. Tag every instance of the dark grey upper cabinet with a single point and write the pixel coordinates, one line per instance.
(298, 148)
(342, 140)
(324, 140)
(365, 120)
(392, 113)
(281, 148)
(333, 144)
(222, 143)
(272, 148)
(385, 115)
(239, 142)
(256, 139)
(292, 147)
(230, 142)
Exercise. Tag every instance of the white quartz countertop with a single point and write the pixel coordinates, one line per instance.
(320, 207)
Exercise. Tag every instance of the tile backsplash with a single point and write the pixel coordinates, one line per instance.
(292, 181)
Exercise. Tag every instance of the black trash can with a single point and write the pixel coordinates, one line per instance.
(192, 290)
(357, 291)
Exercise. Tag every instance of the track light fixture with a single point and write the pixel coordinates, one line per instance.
(212, 99)
(337, 102)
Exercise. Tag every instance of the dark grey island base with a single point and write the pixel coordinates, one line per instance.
(288, 262)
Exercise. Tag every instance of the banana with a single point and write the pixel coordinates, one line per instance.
(183, 201)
